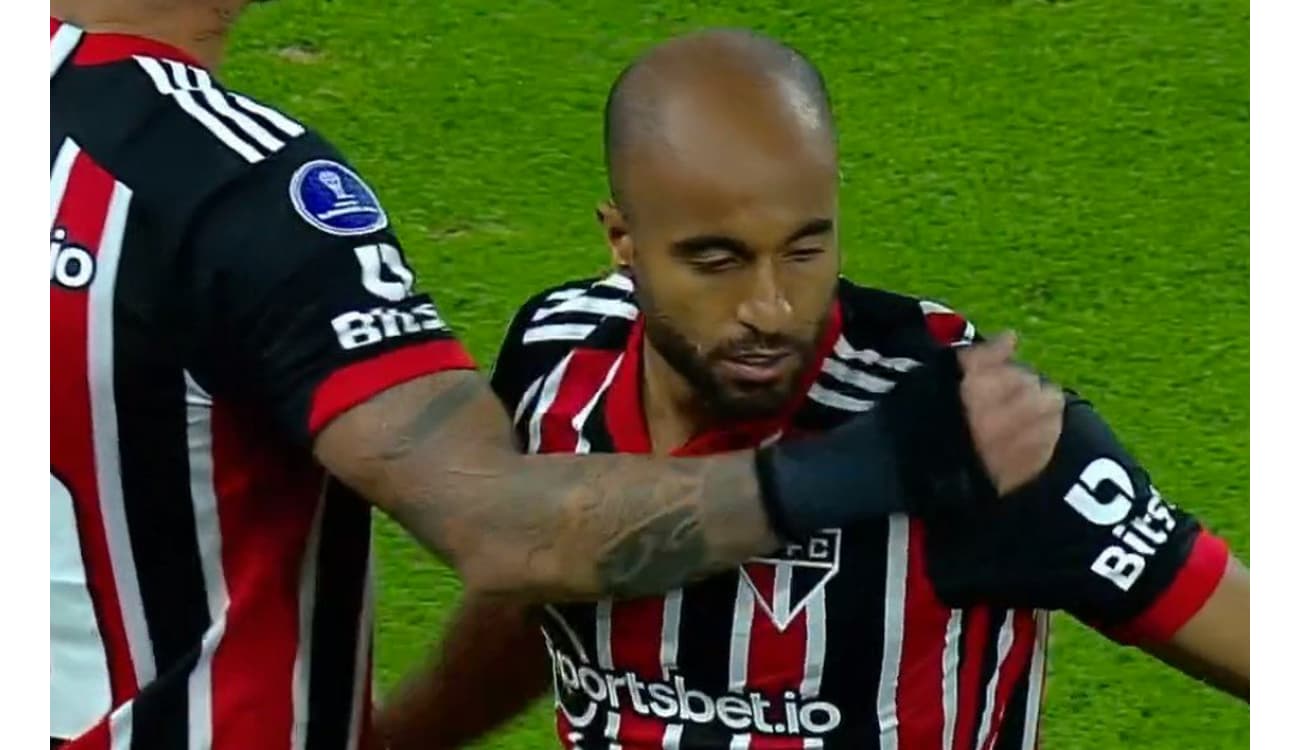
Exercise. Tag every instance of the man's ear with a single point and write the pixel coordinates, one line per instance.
(617, 236)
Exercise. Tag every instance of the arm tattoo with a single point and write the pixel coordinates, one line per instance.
(552, 527)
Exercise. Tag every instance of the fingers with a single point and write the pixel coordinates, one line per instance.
(993, 353)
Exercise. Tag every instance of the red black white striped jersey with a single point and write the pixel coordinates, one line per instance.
(836, 642)
(222, 285)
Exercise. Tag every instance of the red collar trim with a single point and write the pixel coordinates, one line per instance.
(99, 49)
(625, 414)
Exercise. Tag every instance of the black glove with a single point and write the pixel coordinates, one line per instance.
(912, 453)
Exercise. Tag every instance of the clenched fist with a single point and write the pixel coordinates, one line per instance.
(1014, 417)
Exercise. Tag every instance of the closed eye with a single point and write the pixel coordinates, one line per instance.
(805, 254)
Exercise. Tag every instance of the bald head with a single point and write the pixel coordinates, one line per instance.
(710, 89)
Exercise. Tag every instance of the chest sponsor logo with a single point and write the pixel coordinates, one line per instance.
(583, 691)
(784, 583)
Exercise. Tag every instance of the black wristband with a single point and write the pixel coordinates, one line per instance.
(912, 453)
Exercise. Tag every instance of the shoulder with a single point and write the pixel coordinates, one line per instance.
(589, 313)
(900, 324)
(883, 336)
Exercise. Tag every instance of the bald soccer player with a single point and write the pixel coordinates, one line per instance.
(727, 325)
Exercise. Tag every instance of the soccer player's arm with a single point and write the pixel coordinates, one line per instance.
(332, 335)
(490, 663)
(489, 667)
(1094, 537)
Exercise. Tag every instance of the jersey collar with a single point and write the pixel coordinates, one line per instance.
(625, 414)
(99, 49)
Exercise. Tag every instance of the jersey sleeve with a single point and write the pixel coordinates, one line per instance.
(1093, 536)
(303, 294)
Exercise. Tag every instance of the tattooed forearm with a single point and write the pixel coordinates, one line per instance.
(438, 456)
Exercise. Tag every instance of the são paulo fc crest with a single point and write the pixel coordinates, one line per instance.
(784, 583)
(332, 198)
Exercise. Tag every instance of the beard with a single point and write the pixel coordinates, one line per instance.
(723, 399)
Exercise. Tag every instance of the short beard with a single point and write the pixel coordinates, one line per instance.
(722, 401)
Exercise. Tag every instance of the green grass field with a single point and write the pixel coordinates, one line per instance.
(1077, 170)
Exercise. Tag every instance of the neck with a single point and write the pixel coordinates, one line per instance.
(668, 401)
(200, 29)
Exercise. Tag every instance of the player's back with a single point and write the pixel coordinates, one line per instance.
(206, 588)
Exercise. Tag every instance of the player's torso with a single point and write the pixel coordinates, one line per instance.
(836, 642)
(185, 538)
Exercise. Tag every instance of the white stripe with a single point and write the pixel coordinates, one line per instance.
(930, 308)
(103, 415)
(618, 281)
(527, 398)
(558, 332)
(671, 634)
(814, 663)
(951, 660)
(845, 351)
(673, 737)
(187, 102)
(62, 44)
(59, 174)
(739, 742)
(218, 101)
(207, 527)
(121, 725)
(593, 305)
(365, 631)
(306, 606)
(892, 648)
(837, 400)
(544, 400)
(611, 730)
(1006, 634)
(290, 127)
(564, 294)
(742, 623)
(857, 378)
(1037, 673)
(580, 419)
(604, 649)
(781, 594)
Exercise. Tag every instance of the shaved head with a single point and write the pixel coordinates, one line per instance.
(724, 175)
(710, 86)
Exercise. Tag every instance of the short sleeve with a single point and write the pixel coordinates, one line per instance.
(1093, 537)
(303, 296)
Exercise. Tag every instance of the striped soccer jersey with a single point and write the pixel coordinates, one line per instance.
(839, 641)
(222, 285)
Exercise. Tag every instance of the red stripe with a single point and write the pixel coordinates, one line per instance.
(582, 378)
(563, 728)
(635, 632)
(95, 738)
(54, 26)
(265, 508)
(974, 637)
(1013, 669)
(776, 658)
(98, 49)
(358, 382)
(82, 214)
(946, 327)
(1190, 590)
(920, 672)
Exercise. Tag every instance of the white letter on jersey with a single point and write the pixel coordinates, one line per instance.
(1119, 567)
(372, 258)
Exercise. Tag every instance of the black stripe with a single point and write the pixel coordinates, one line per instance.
(704, 648)
(340, 588)
(595, 430)
(184, 78)
(153, 445)
(855, 617)
(159, 717)
(1011, 732)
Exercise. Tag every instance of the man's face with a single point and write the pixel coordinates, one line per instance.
(734, 252)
